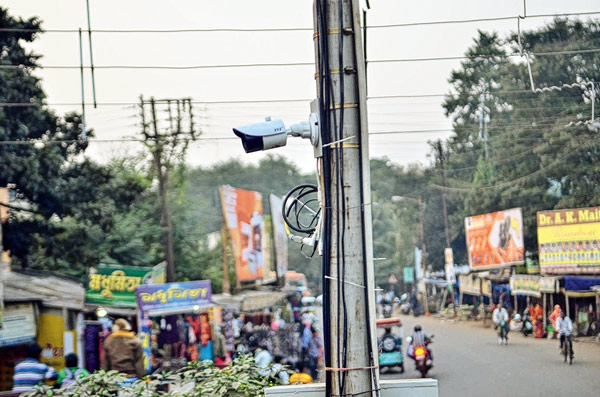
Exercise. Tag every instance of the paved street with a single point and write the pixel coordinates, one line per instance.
(469, 362)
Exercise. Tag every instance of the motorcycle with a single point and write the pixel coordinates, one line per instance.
(423, 361)
(387, 310)
(404, 304)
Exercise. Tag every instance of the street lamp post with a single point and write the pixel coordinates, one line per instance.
(419, 202)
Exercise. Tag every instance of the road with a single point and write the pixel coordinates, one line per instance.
(470, 362)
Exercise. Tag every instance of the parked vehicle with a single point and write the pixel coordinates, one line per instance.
(389, 340)
(387, 310)
(404, 304)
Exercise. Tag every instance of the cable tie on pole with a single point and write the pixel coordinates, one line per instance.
(330, 369)
(346, 106)
(346, 282)
(341, 140)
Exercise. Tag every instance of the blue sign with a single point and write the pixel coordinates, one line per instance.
(409, 275)
(173, 298)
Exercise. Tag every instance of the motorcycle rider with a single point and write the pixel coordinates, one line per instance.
(564, 326)
(419, 339)
(500, 319)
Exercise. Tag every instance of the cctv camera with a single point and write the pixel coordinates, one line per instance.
(273, 133)
(262, 136)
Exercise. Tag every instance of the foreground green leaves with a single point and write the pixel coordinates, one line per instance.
(241, 378)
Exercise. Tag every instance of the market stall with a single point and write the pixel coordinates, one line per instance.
(177, 323)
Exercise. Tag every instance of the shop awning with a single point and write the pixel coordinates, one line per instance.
(51, 290)
(580, 284)
(248, 301)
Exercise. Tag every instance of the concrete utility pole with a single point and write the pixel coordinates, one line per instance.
(166, 146)
(423, 254)
(352, 351)
(440, 156)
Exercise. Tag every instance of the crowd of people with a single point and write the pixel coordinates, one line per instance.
(294, 348)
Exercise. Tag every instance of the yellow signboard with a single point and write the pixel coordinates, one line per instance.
(569, 241)
(50, 337)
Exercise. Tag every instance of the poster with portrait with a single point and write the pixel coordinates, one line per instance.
(569, 241)
(243, 216)
(495, 240)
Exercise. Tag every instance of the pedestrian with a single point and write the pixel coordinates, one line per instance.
(123, 351)
(539, 321)
(500, 319)
(304, 340)
(280, 371)
(314, 353)
(220, 347)
(300, 376)
(31, 372)
(262, 357)
(553, 317)
(71, 373)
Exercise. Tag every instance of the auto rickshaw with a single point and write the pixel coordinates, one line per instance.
(389, 341)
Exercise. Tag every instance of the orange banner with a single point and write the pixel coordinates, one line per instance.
(495, 240)
(243, 215)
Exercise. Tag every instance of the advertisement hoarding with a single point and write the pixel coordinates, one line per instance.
(569, 241)
(470, 285)
(115, 286)
(495, 240)
(449, 266)
(19, 325)
(169, 298)
(279, 235)
(522, 284)
(243, 215)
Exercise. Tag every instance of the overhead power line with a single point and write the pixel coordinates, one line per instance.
(287, 64)
(301, 29)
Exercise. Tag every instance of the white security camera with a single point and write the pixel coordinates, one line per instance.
(273, 133)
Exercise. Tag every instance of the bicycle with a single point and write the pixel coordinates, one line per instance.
(567, 350)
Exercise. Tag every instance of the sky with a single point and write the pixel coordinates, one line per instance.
(260, 83)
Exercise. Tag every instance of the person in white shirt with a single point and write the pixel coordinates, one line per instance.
(500, 319)
(564, 326)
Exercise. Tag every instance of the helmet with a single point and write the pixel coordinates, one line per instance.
(417, 328)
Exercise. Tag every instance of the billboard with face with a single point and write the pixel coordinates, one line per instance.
(495, 240)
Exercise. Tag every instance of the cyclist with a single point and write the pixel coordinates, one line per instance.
(564, 326)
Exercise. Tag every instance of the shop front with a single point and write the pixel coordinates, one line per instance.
(580, 302)
(43, 308)
(110, 294)
(178, 324)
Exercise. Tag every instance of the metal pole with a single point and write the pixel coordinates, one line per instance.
(82, 89)
(352, 351)
(423, 254)
(87, 3)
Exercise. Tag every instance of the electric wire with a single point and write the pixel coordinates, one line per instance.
(301, 29)
(291, 64)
